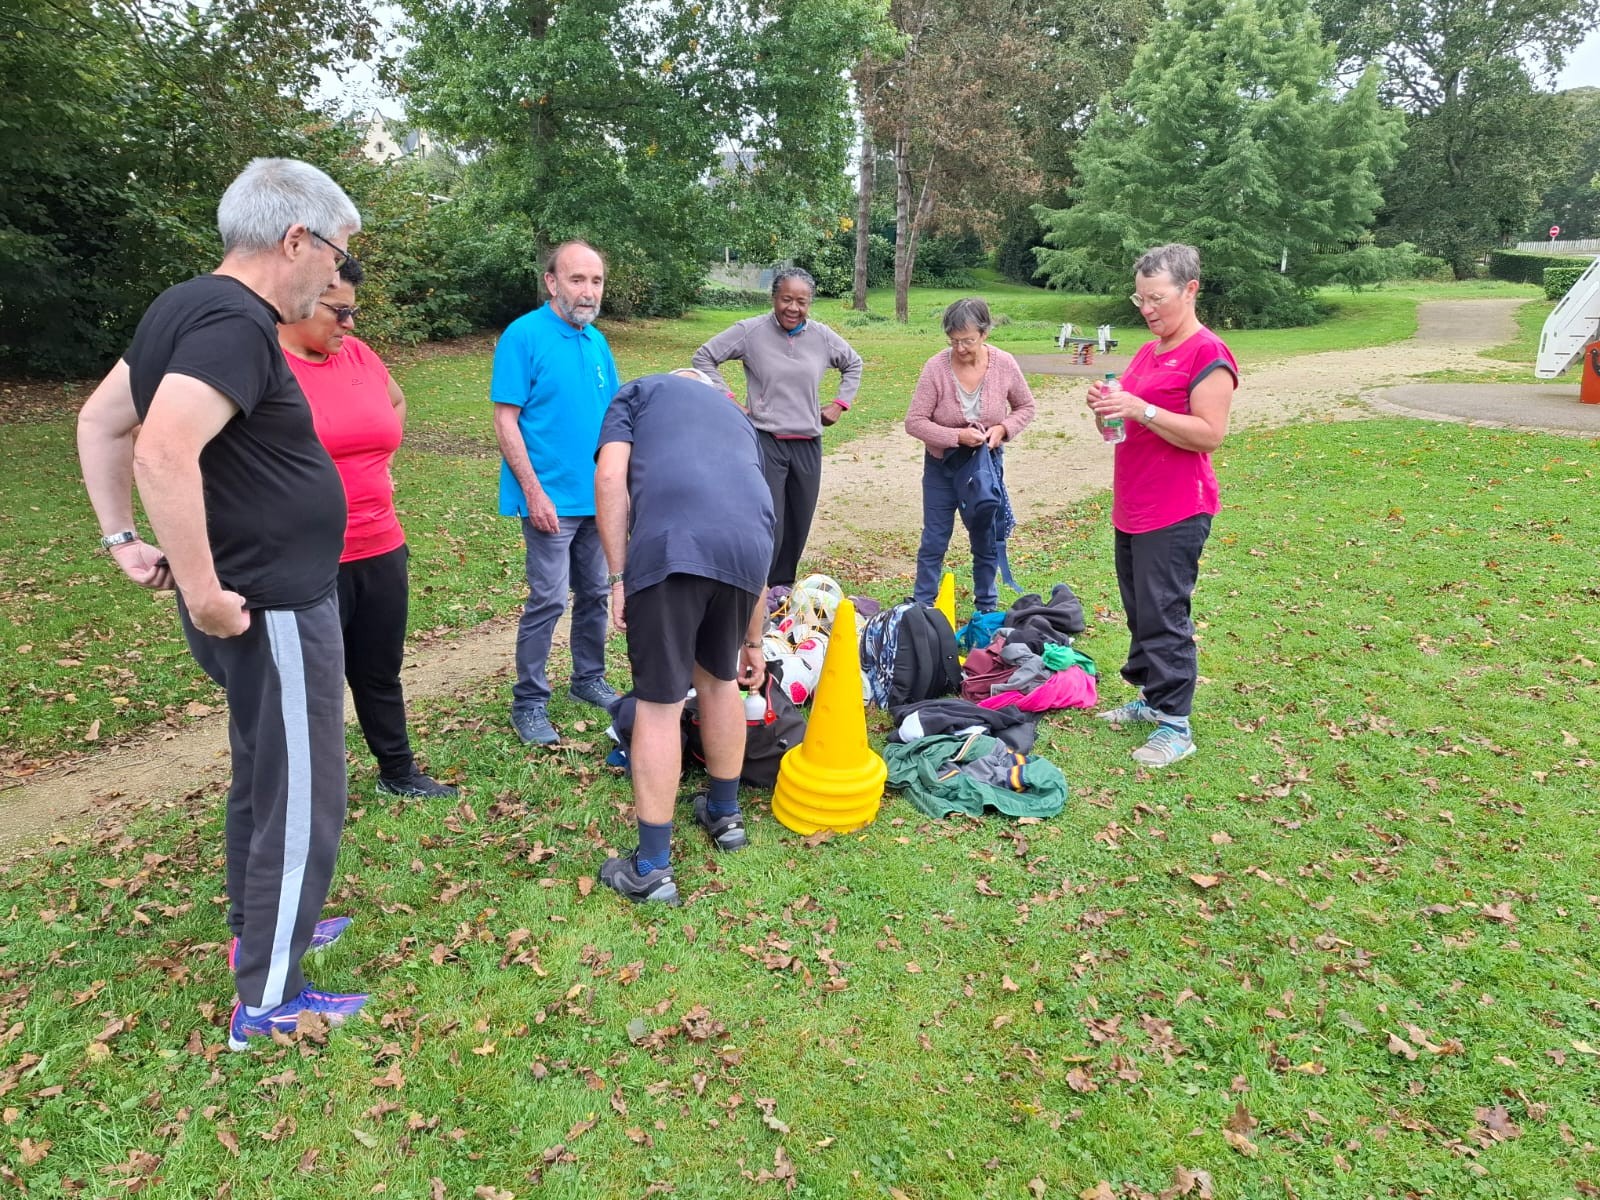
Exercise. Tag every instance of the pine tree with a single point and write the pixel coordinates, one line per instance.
(1228, 134)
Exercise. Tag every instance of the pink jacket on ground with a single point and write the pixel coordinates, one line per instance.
(1071, 688)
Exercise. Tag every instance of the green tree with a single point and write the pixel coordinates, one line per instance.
(1479, 133)
(608, 119)
(1573, 200)
(1228, 134)
(975, 95)
(122, 127)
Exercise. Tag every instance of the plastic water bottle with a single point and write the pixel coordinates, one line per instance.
(1111, 428)
(755, 708)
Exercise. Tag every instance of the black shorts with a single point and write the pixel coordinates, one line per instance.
(678, 623)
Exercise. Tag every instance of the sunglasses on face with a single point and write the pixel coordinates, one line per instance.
(342, 313)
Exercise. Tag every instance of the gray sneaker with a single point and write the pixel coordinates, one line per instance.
(622, 875)
(593, 691)
(1167, 745)
(1131, 713)
(533, 726)
(726, 832)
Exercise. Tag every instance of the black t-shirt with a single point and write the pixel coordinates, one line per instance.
(699, 503)
(275, 508)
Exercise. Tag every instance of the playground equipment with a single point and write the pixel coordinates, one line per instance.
(1572, 335)
(833, 779)
(1083, 349)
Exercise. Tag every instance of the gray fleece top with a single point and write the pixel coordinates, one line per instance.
(783, 373)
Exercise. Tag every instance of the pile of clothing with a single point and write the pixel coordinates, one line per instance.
(954, 756)
(1029, 659)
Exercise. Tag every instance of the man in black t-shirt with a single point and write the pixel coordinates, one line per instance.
(204, 414)
(685, 519)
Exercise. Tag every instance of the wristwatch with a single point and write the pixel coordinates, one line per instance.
(1150, 411)
(112, 540)
(613, 579)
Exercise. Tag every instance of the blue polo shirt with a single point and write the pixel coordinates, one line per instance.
(561, 378)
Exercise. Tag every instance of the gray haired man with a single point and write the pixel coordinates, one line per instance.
(248, 515)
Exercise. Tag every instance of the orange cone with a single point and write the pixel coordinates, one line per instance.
(833, 779)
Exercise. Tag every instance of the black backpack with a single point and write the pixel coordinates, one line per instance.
(909, 653)
(766, 741)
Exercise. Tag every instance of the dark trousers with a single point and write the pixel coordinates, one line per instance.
(284, 677)
(373, 596)
(793, 469)
(1156, 573)
(570, 558)
(939, 507)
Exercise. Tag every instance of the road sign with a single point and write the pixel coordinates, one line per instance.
(1555, 232)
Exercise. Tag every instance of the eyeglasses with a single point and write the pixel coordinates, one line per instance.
(341, 312)
(966, 343)
(1149, 301)
(344, 256)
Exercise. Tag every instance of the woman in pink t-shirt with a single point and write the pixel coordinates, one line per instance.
(360, 412)
(1173, 401)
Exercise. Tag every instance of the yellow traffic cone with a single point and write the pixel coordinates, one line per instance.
(945, 602)
(833, 779)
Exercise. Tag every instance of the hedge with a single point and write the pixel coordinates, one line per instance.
(1558, 281)
(1518, 266)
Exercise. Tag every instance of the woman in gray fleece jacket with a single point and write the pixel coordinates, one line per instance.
(785, 356)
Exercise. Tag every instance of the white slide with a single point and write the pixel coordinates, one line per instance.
(1572, 326)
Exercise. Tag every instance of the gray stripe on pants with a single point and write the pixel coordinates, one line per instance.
(283, 635)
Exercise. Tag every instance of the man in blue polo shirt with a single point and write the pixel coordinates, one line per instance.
(553, 378)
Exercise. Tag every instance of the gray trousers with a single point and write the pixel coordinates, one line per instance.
(284, 677)
(556, 562)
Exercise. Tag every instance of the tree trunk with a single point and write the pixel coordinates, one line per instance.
(864, 213)
(902, 223)
(919, 220)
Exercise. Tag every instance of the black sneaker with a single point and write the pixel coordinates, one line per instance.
(622, 875)
(416, 785)
(727, 832)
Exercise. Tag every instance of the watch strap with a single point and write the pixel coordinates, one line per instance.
(112, 540)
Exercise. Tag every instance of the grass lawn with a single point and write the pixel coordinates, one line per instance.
(1346, 951)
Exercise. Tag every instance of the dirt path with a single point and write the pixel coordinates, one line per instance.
(870, 486)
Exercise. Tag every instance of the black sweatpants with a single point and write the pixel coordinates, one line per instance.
(793, 469)
(373, 596)
(1156, 573)
(284, 677)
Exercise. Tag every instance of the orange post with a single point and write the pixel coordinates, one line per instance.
(1589, 366)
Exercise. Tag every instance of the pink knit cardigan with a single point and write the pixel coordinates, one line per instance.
(935, 416)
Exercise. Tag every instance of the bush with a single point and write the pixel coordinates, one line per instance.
(1558, 281)
(1369, 264)
(833, 263)
(1518, 266)
(720, 295)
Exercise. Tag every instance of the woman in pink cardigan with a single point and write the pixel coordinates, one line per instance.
(970, 394)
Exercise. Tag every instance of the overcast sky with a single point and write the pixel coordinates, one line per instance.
(1583, 65)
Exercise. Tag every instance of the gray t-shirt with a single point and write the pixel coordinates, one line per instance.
(699, 503)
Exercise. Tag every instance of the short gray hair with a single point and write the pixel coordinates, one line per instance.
(969, 312)
(1179, 261)
(273, 194)
(800, 273)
